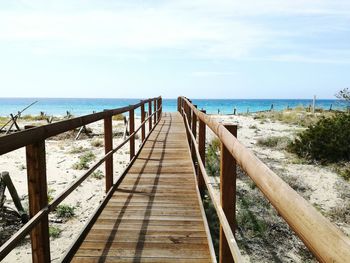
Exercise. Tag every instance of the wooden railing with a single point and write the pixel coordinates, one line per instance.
(34, 141)
(323, 239)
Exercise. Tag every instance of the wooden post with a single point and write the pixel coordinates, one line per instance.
(227, 194)
(155, 110)
(108, 136)
(161, 107)
(194, 131)
(132, 129)
(149, 114)
(201, 147)
(143, 133)
(37, 192)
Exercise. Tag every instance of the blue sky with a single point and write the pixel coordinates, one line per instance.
(199, 48)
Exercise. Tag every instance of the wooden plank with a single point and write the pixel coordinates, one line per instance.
(201, 146)
(37, 194)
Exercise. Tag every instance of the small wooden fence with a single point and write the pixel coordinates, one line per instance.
(34, 141)
(323, 239)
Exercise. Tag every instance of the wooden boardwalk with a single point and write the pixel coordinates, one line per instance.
(155, 215)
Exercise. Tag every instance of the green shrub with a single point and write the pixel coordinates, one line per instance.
(327, 141)
(65, 211)
(212, 158)
(54, 232)
(84, 160)
(97, 175)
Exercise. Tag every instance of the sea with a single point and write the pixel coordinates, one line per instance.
(83, 106)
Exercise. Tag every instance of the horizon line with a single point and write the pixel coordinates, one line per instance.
(170, 98)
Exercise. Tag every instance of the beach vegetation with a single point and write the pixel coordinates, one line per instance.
(84, 160)
(278, 142)
(65, 211)
(97, 143)
(29, 117)
(69, 135)
(118, 117)
(213, 222)
(97, 175)
(297, 116)
(212, 159)
(78, 149)
(54, 231)
(344, 94)
(3, 121)
(50, 196)
(327, 141)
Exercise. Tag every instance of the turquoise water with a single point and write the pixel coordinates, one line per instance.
(80, 107)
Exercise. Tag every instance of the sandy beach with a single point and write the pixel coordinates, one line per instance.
(320, 185)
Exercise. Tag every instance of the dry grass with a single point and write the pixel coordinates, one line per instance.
(97, 143)
(278, 142)
(118, 117)
(298, 116)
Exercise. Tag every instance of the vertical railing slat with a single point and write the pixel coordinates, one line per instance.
(108, 137)
(149, 114)
(155, 110)
(194, 132)
(131, 130)
(37, 194)
(201, 147)
(143, 133)
(227, 194)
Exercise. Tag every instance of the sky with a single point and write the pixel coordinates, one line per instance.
(199, 48)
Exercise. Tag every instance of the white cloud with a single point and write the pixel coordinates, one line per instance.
(199, 28)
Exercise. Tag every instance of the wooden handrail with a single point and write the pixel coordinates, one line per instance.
(48, 131)
(323, 239)
(220, 212)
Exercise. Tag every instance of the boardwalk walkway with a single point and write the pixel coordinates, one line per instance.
(155, 214)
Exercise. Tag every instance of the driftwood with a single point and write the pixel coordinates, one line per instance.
(14, 118)
(5, 181)
(126, 131)
(49, 119)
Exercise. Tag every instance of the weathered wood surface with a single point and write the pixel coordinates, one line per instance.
(155, 214)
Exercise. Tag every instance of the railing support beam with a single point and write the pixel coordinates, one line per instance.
(227, 194)
(194, 132)
(131, 130)
(143, 133)
(149, 114)
(201, 147)
(108, 137)
(155, 110)
(37, 192)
